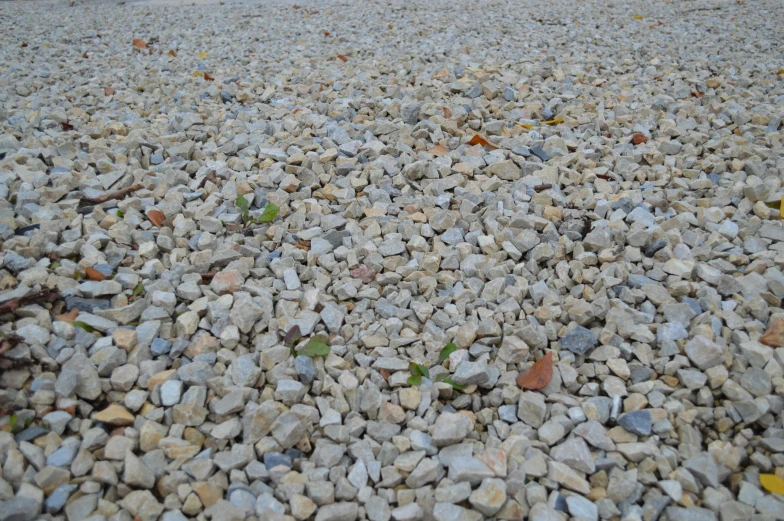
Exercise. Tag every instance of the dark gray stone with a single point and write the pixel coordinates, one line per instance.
(87, 305)
(579, 340)
(637, 422)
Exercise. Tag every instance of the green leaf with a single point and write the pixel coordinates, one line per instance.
(774, 204)
(415, 379)
(244, 207)
(54, 266)
(138, 290)
(269, 213)
(12, 420)
(418, 370)
(316, 346)
(292, 336)
(445, 378)
(85, 326)
(28, 421)
(120, 214)
(448, 380)
(446, 351)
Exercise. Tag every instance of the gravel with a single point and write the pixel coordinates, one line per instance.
(587, 179)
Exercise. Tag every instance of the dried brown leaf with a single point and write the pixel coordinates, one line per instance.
(342, 58)
(208, 77)
(156, 217)
(108, 91)
(139, 43)
(639, 139)
(94, 274)
(68, 317)
(172, 53)
(539, 375)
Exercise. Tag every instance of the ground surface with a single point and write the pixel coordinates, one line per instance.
(609, 223)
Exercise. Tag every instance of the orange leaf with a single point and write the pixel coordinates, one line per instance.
(156, 217)
(139, 44)
(94, 274)
(68, 317)
(108, 91)
(172, 53)
(326, 33)
(639, 139)
(439, 150)
(208, 77)
(480, 140)
(342, 58)
(539, 375)
(389, 26)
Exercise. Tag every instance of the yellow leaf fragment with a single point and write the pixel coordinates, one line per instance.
(203, 54)
(526, 126)
(554, 121)
(781, 207)
(772, 483)
(198, 74)
(780, 72)
(637, 17)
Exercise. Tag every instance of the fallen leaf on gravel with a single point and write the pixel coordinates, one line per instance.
(208, 77)
(203, 54)
(94, 274)
(139, 44)
(439, 150)
(772, 483)
(774, 336)
(156, 217)
(639, 139)
(480, 140)
(554, 121)
(342, 58)
(539, 375)
(68, 317)
(172, 53)
(66, 126)
(698, 94)
(637, 17)
(108, 91)
(526, 126)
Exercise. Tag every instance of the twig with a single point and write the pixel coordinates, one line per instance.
(542, 188)
(119, 194)
(46, 295)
